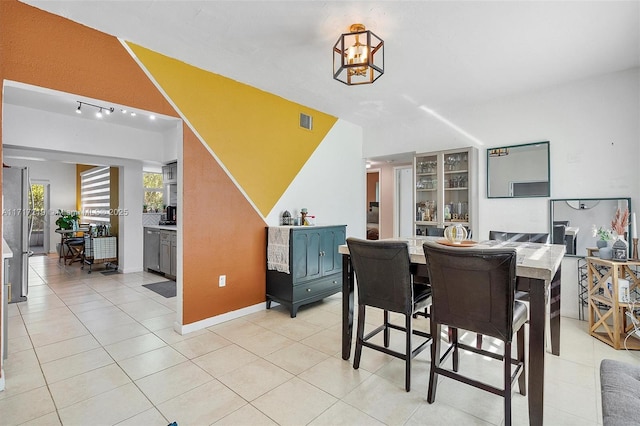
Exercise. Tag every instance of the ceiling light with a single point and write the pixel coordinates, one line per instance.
(358, 57)
(133, 114)
(124, 111)
(152, 117)
(107, 110)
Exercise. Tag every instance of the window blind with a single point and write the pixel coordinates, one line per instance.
(95, 187)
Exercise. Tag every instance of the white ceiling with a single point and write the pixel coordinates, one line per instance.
(439, 55)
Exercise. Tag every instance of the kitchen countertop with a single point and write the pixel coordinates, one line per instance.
(163, 227)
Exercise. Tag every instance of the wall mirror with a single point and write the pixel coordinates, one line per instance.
(518, 171)
(572, 221)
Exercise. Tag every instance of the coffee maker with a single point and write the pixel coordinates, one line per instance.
(171, 216)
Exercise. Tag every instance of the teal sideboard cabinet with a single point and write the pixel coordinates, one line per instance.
(303, 264)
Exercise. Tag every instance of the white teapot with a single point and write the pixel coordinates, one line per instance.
(455, 233)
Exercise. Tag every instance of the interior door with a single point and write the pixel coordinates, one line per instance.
(404, 202)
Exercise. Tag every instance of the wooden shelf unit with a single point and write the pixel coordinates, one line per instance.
(608, 321)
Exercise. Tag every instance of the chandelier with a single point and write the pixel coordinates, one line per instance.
(358, 57)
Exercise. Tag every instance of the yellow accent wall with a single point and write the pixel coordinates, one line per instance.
(255, 134)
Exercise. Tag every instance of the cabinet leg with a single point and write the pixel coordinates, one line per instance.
(294, 311)
(268, 304)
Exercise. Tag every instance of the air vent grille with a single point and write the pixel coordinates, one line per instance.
(306, 121)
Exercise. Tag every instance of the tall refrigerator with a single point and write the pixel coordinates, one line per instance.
(15, 228)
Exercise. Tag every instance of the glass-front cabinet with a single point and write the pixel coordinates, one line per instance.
(445, 189)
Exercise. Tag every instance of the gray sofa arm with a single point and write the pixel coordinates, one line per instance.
(620, 388)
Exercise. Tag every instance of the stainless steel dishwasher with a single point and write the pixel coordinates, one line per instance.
(152, 249)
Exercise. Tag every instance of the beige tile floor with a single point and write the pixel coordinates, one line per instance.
(100, 350)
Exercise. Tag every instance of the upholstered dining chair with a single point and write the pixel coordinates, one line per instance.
(384, 281)
(524, 237)
(474, 290)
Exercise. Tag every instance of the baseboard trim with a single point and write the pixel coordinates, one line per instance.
(208, 322)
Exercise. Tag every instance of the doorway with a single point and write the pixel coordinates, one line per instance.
(39, 219)
(373, 204)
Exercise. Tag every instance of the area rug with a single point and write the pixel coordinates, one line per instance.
(163, 288)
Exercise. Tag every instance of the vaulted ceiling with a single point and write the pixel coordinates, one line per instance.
(439, 55)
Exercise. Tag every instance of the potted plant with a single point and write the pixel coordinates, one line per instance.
(66, 219)
(603, 235)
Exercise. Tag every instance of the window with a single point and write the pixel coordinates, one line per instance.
(95, 195)
(153, 194)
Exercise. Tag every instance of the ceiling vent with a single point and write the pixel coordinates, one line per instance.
(306, 121)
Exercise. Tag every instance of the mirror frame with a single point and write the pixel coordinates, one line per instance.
(566, 200)
(548, 186)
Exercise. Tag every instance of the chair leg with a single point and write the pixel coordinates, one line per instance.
(522, 380)
(407, 354)
(386, 329)
(479, 341)
(435, 361)
(359, 335)
(507, 383)
(456, 352)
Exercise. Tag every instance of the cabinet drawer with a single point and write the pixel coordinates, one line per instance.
(310, 289)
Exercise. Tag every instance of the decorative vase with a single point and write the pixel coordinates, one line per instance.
(605, 253)
(455, 233)
(602, 243)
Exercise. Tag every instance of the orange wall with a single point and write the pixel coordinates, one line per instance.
(50, 51)
(372, 179)
(223, 235)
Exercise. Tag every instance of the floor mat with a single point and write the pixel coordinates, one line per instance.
(163, 288)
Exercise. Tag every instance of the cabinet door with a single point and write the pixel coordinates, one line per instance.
(456, 188)
(170, 173)
(165, 253)
(331, 259)
(174, 255)
(426, 183)
(305, 255)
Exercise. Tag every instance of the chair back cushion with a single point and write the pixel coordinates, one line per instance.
(473, 289)
(559, 232)
(523, 237)
(383, 277)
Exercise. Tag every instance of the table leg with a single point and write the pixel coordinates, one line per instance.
(347, 305)
(554, 313)
(536, 350)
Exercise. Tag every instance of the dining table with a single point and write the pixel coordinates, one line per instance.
(538, 271)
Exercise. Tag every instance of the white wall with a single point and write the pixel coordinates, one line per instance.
(594, 135)
(33, 128)
(332, 183)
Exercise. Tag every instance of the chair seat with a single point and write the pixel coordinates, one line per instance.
(421, 296)
(74, 241)
(519, 315)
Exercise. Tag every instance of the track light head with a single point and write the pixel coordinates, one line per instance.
(78, 110)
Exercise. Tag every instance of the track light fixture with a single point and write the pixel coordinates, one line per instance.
(101, 109)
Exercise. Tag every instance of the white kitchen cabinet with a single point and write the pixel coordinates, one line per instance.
(446, 189)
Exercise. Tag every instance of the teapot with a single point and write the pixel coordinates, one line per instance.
(455, 233)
